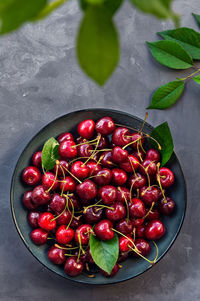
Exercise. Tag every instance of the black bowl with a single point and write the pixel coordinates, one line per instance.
(133, 266)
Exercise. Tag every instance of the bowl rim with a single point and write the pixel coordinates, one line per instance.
(21, 235)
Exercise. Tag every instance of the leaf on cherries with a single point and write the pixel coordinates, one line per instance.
(50, 153)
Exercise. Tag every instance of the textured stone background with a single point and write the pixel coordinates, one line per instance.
(39, 81)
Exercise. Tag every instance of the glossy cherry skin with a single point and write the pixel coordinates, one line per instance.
(137, 208)
(83, 232)
(123, 256)
(31, 175)
(137, 222)
(139, 153)
(113, 272)
(86, 128)
(103, 177)
(105, 126)
(166, 206)
(46, 221)
(118, 212)
(27, 200)
(93, 215)
(121, 136)
(119, 154)
(83, 257)
(74, 202)
(137, 181)
(124, 226)
(63, 165)
(148, 167)
(39, 236)
(33, 219)
(84, 150)
(123, 194)
(49, 181)
(56, 255)
(108, 194)
(79, 170)
(64, 235)
(130, 164)
(140, 231)
(136, 138)
(40, 196)
(103, 230)
(166, 177)
(57, 203)
(153, 214)
(37, 159)
(73, 267)
(89, 257)
(149, 194)
(67, 149)
(68, 184)
(153, 155)
(107, 159)
(86, 190)
(64, 218)
(93, 167)
(119, 176)
(125, 243)
(154, 230)
(76, 222)
(103, 143)
(143, 247)
(65, 137)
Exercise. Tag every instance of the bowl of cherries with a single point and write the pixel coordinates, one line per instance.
(94, 198)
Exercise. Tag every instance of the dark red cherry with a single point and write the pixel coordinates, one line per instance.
(137, 208)
(125, 243)
(149, 194)
(64, 218)
(139, 153)
(123, 256)
(57, 203)
(68, 184)
(64, 235)
(49, 181)
(89, 257)
(93, 215)
(149, 167)
(130, 164)
(154, 230)
(27, 200)
(166, 206)
(79, 170)
(107, 159)
(33, 219)
(76, 222)
(105, 126)
(65, 137)
(73, 267)
(108, 194)
(103, 177)
(137, 222)
(40, 196)
(39, 236)
(56, 255)
(84, 150)
(166, 177)
(103, 230)
(103, 143)
(113, 272)
(86, 190)
(119, 154)
(67, 149)
(140, 231)
(153, 214)
(137, 181)
(83, 233)
(93, 167)
(37, 159)
(143, 247)
(153, 155)
(119, 176)
(117, 212)
(123, 194)
(86, 128)
(63, 165)
(137, 139)
(31, 175)
(46, 221)
(121, 136)
(124, 226)
(83, 257)
(74, 202)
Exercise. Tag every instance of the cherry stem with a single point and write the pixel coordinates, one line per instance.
(145, 119)
(62, 191)
(189, 76)
(125, 199)
(145, 170)
(138, 193)
(72, 213)
(102, 206)
(139, 143)
(94, 151)
(71, 174)
(131, 142)
(158, 179)
(132, 242)
(80, 246)
(85, 208)
(134, 233)
(98, 162)
(65, 248)
(86, 142)
(152, 205)
(76, 159)
(53, 219)
(55, 178)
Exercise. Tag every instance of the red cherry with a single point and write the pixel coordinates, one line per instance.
(27, 200)
(68, 184)
(125, 244)
(137, 222)
(123, 194)
(119, 176)
(36, 159)
(153, 214)
(86, 190)
(148, 167)
(166, 206)
(130, 164)
(137, 181)
(153, 155)
(140, 231)
(64, 235)
(107, 159)
(149, 194)
(64, 218)
(103, 230)
(40, 196)
(48, 179)
(119, 154)
(166, 177)
(143, 247)
(93, 167)
(65, 137)
(84, 150)
(63, 165)
(117, 212)
(113, 272)
(123, 256)
(31, 175)
(79, 170)
(93, 215)
(76, 222)
(103, 177)
(108, 194)
(138, 138)
(121, 136)
(103, 143)
(39, 236)
(139, 154)
(83, 232)
(46, 221)
(33, 219)
(154, 230)
(105, 126)
(57, 203)
(124, 226)
(67, 149)
(86, 128)
(136, 208)
(73, 267)
(56, 255)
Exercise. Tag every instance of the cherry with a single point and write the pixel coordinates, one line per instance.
(138, 138)
(64, 235)
(103, 177)
(67, 149)
(86, 128)
(153, 214)
(108, 194)
(84, 150)
(117, 212)
(130, 164)
(83, 257)
(137, 222)
(103, 142)
(119, 154)
(103, 230)
(27, 200)
(143, 247)
(68, 184)
(122, 256)
(37, 159)
(64, 218)
(89, 257)
(166, 206)
(137, 181)
(140, 231)
(153, 155)
(119, 176)
(73, 267)
(61, 168)
(154, 230)
(149, 194)
(65, 137)
(83, 232)
(125, 243)
(33, 218)
(93, 215)
(93, 168)
(137, 208)
(86, 190)
(149, 167)
(57, 203)
(39, 236)
(123, 194)
(166, 177)
(48, 179)
(139, 153)
(107, 159)
(76, 222)
(31, 175)
(79, 170)
(121, 136)
(74, 202)
(113, 272)
(46, 221)
(124, 226)
(40, 196)
(56, 255)
(105, 126)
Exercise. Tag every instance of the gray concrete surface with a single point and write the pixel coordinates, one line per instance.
(39, 81)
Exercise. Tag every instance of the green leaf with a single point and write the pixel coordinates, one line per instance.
(197, 18)
(49, 8)
(14, 13)
(163, 135)
(186, 37)
(110, 5)
(50, 153)
(197, 79)
(167, 95)
(95, 1)
(97, 45)
(170, 54)
(104, 252)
